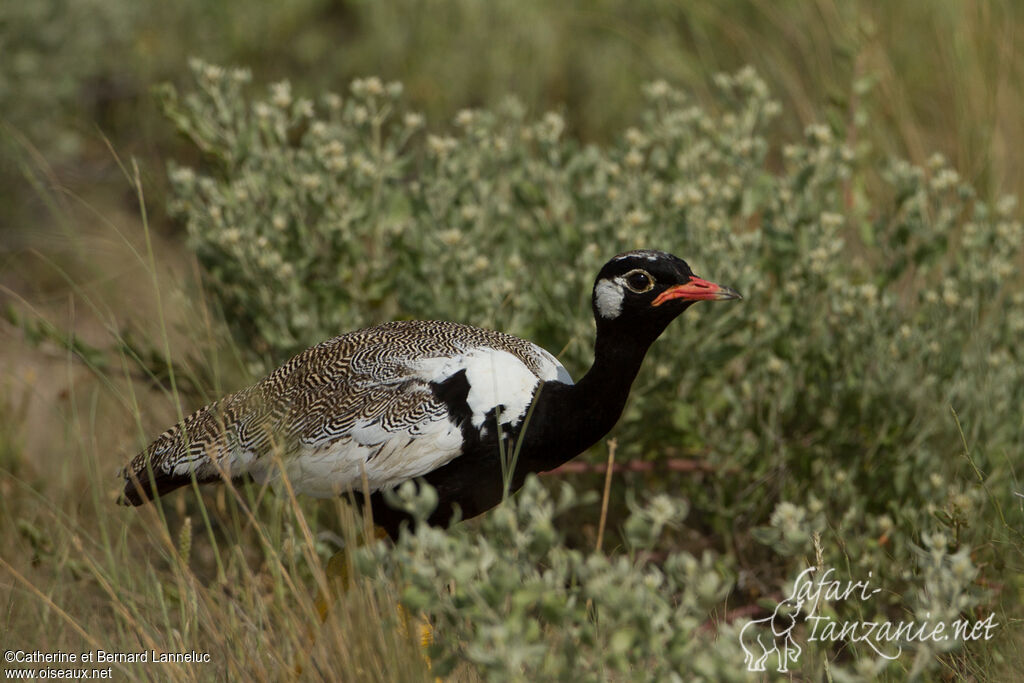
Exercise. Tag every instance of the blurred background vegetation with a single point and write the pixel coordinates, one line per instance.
(128, 299)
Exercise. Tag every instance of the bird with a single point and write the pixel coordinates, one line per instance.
(468, 410)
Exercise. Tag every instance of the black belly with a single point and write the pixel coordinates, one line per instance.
(466, 487)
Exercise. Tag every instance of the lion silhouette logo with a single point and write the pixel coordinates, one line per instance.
(759, 638)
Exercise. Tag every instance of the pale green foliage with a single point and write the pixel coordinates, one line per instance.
(821, 403)
(520, 605)
(315, 222)
(46, 62)
(295, 236)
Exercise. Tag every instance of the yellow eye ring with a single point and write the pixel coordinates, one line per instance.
(638, 281)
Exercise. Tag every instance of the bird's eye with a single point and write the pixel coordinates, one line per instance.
(639, 281)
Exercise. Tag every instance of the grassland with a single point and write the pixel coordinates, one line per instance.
(861, 411)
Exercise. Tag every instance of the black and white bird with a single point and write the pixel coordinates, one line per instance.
(369, 410)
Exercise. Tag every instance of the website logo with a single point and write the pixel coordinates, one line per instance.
(772, 636)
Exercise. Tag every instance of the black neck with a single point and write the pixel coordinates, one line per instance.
(569, 418)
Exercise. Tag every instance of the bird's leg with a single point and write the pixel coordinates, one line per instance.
(338, 579)
(338, 576)
(424, 631)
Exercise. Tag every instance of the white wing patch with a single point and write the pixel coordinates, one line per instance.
(551, 369)
(495, 377)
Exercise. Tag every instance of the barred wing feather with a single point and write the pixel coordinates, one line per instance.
(357, 404)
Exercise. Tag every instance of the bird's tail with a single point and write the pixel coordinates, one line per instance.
(211, 444)
(142, 487)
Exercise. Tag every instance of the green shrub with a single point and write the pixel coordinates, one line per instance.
(520, 605)
(821, 406)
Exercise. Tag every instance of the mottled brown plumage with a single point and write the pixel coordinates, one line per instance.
(431, 401)
(315, 400)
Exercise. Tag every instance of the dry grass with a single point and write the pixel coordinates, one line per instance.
(234, 576)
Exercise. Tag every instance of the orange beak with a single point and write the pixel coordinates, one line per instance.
(697, 290)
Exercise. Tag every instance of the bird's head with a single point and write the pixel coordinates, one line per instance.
(645, 290)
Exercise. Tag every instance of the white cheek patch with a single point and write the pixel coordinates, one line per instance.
(608, 296)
